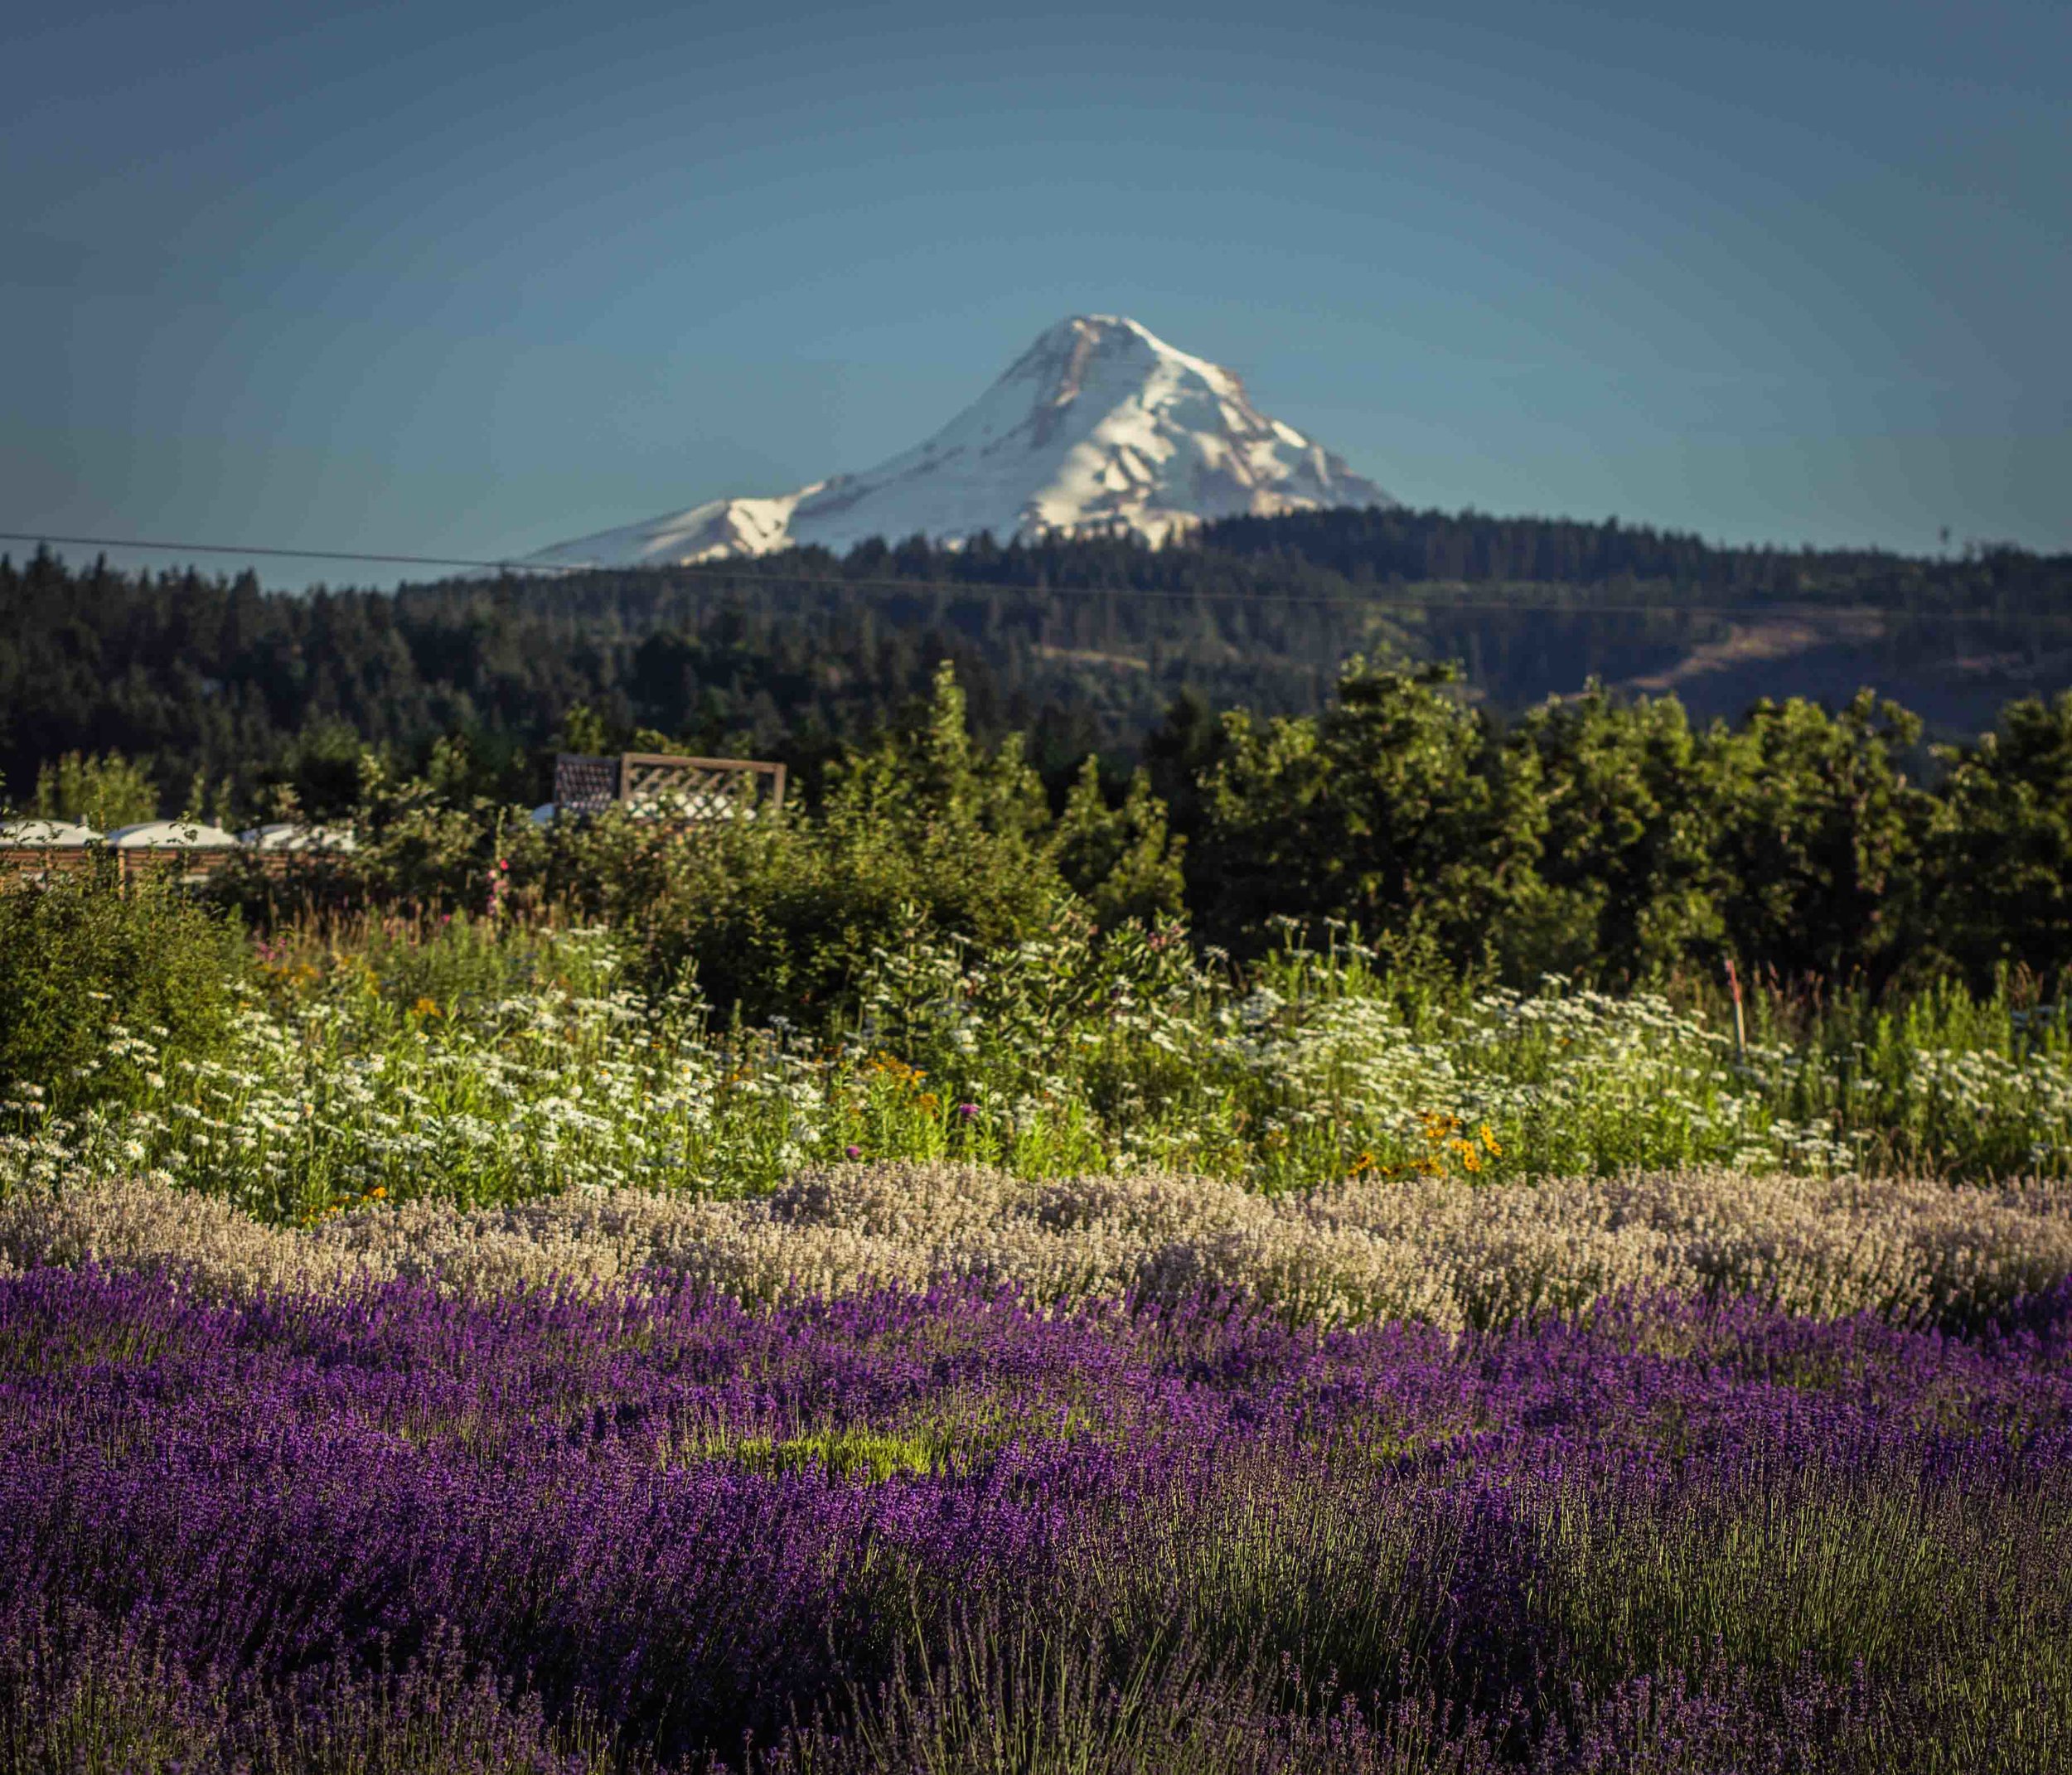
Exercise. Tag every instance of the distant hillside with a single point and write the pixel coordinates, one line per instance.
(1653, 611)
(1085, 645)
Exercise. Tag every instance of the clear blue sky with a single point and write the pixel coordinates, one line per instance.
(474, 278)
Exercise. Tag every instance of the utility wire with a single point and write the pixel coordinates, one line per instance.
(293, 554)
(1380, 599)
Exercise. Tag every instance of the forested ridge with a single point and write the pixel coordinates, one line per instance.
(1083, 644)
(1400, 547)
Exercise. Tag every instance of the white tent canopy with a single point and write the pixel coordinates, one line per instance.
(171, 835)
(285, 835)
(16, 833)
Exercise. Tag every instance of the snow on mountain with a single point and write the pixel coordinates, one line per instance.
(1099, 427)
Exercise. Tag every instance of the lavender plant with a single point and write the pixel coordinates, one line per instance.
(950, 1531)
(1440, 1251)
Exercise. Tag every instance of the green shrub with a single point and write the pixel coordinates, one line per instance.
(88, 967)
(925, 833)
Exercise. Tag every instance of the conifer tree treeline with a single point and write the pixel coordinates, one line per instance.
(1403, 547)
(1597, 835)
(1082, 645)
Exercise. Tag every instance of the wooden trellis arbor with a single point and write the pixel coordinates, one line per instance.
(661, 786)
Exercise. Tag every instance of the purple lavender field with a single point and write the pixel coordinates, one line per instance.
(393, 1529)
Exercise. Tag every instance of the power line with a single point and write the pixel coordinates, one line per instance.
(1379, 599)
(293, 554)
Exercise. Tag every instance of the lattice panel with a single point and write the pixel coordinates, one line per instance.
(584, 784)
(673, 788)
(665, 786)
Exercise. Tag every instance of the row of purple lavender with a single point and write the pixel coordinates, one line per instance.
(949, 1532)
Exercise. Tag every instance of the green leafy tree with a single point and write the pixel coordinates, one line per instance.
(583, 730)
(1627, 880)
(100, 790)
(1820, 836)
(1391, 809)
(1121, 860)
(2001, 853)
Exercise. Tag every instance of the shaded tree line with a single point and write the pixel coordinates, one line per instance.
(1618, 840)
(225, 693)
(1082, 646)
(1596, 836)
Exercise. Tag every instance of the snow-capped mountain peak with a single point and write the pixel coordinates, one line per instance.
(1099, 428)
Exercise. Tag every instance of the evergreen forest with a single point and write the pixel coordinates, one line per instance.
(1082, 646)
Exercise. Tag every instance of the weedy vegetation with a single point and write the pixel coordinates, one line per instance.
(874, 1289)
